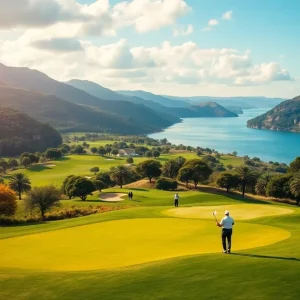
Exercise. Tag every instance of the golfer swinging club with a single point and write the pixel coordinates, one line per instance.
(226, 223)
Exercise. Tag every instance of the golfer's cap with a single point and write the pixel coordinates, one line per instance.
(226, 212)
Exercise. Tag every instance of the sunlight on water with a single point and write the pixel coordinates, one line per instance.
(231, 134)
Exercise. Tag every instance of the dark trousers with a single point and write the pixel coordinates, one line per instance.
(226, 235)
(176, 202)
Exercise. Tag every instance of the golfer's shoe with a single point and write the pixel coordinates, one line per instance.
(224, 251)
(228, 251)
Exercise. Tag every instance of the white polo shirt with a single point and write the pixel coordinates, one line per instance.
(227, 222)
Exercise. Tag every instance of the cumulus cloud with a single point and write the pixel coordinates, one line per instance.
(58, 45)
(182, 31)
(35, 13)
(95, 19)
(213, 22)
(146, 15)
(266, 72)
(227, 15)
(117, 63)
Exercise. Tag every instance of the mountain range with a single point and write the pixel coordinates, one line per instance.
(80, 105)
(237, 102)
(176, 108)
(139, 118)
(64, 115)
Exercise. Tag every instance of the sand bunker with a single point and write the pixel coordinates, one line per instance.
(51, 166)
(109, 159)
(127, 242)
(113, 197)
(88, 177)
(238, 211)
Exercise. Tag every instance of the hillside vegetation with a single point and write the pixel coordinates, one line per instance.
(283, 117)
(205, 110)
(20, 133)
(175, 108)
(140, 116)
(64, 115)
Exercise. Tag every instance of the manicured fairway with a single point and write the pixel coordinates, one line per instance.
(140, 253)
(126, 242)
(55, 172)
(239, 211)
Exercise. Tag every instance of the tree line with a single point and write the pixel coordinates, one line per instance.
(270, 184)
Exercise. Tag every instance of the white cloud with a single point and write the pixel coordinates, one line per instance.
(213, 22)
(36, 13)
(119, 64)
(265, 72)
(96, 19)
(227, 15)
(146, 15)
(182, 31)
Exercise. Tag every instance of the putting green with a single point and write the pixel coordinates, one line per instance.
(126, 242)
(238, 211)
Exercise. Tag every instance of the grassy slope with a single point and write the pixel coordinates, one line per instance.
(81, 165)
(269, 272)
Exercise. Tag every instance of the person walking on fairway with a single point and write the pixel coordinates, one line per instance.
(226, 223)
(176, 199)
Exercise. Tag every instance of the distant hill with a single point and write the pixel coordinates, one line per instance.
(238, 102)
(140, 116)
(20, 133)
(235, 109)
(156, 98)
(188, 111)
(205, 110)
(283, 117)
(67, 116)
(99, 91)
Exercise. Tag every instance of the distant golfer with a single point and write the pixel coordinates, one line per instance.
(226, 223)
(176, 199)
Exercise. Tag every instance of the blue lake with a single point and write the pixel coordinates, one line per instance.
(231, 134)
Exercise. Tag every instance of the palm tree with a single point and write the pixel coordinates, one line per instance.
(295, 187)
(120, 174)
(170, 168)
(246, 175)
(20, 183)
(261, 185)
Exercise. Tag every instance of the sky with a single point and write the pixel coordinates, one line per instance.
(170, 47)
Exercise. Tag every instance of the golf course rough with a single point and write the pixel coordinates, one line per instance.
(238, 211)
(127, 242)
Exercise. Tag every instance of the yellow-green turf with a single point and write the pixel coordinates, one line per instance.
(56, 171)
(126, 242)
(267, 270)
(238, 211)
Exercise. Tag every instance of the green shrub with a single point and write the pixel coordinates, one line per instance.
(166, 184)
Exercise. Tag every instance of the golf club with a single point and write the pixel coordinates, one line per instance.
(214, 214)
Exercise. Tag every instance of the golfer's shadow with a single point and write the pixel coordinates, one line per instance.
(266, 256)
